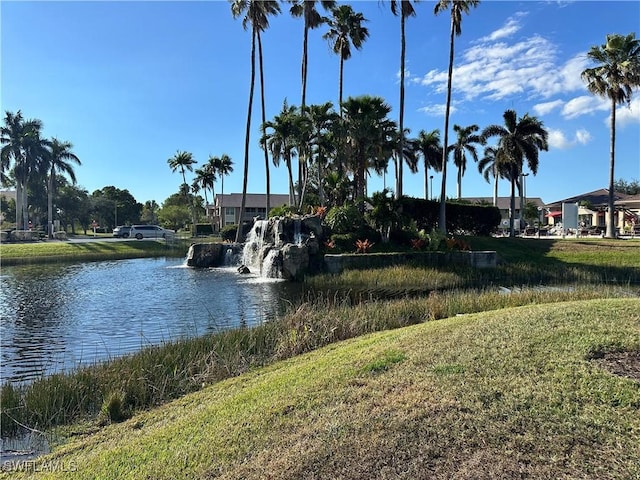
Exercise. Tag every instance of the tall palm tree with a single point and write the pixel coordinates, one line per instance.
(518, 140)
(184, 161)
(458, 7)
(616, 74)
(345, 29)
(465, 143)
(59, 160)
(312, 20)
(283, 141)
(430, 148)
(22, 151)
(255, 13)
(368, 136)
(403, 8)
(223, 166)
(205, 179)
(321, 121)
(488, 166)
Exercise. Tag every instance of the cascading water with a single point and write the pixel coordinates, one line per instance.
(259, 253)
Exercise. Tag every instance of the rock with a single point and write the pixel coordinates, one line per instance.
(243, 270)
(295, 261)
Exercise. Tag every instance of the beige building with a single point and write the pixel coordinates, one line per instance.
(225, 209)
(504, 207)
(593, 209)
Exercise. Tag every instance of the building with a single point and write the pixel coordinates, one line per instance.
(225, 209)
(593, 209)
(504, 205)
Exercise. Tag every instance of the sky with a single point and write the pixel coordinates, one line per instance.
(130, 83)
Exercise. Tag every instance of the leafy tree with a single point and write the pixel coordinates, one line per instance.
(615, 75)
(629, 188)
(110, 202)
(58, 160)
(458, 7)
(518, 140)
(149, 213)
(488, 166)
(429, 146)
(384, 213)
(21, 157)
(465, 143)
(345, 30)
(223, 167)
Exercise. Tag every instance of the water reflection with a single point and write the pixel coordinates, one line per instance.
(57, 317)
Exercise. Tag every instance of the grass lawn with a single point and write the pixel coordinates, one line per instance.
(513, 393)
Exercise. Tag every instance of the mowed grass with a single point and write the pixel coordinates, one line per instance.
(39, 252)
(504, 394)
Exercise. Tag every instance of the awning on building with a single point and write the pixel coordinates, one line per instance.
(553, 214)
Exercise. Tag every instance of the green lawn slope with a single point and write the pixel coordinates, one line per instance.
(513, 393)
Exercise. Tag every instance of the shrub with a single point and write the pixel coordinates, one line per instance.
(344, 219)
(281, 211)
(228, 233)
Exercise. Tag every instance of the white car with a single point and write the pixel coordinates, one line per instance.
(150, 231)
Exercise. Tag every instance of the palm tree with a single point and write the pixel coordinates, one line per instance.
(205, 179)
(312, 20)
(519, 140)
(256, 13)
(22, 144)
(223, 166)
(410, 152)
(58, 160)
(345, 30)
(283, 141)
(322, 118)
(181, 161)
(369, 134)
(405, 9)
(488, 166)
(458, 7)
(465, 143)
(430, 148)
(616, 74)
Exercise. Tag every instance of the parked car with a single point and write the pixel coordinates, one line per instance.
(122, 231)
(150, 231)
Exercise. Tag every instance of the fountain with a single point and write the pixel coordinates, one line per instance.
(281, 247)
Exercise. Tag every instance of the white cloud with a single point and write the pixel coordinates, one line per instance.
(583, 136)
(494, 69)
(437, 110)
(582, 105)
(547, 107)
(627, 115)
(558, 139)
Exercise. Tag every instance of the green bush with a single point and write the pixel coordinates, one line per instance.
(344, 219)
(281, 211)
(228, 233)
(203, 229)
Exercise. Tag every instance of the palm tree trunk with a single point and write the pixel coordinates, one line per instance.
(302, 155)
(222, 213)
(19, 216)
(50, 205)
(264, 119)
(401, 117)
(442, 224)
(495, 184)
(611, 222)
(512, 204)
(340, 85)
(247, 136)
(426, 181)
(459, 182)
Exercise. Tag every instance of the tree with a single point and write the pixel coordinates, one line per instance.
(368, 137)
(283, 141)
(312, 20)
(615, 76)
(405, 9)
(458, 7)
(255, 13)
(322, 119)
(182, 161)
(629, 188)
(345, 30)
(149, 213)
(223, 167)
(21, 155)
(465, 143)
(110, 201)
(429, 146)
(518, 140)
(59, 160)
(488, 166)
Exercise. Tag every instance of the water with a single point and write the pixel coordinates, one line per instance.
(57, 317)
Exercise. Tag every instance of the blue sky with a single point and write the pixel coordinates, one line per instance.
(129, 83)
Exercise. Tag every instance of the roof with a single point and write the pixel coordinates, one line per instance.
(253, 200)
(597, 198)
(504, 202)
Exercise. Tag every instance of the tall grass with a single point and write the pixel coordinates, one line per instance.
(115, 389)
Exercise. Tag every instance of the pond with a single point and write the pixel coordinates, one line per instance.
(57, 317)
